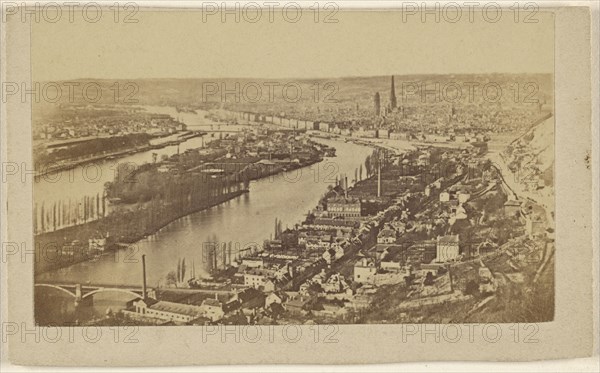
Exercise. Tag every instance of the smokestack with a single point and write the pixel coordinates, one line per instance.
(346, 186)
(144, 293)
(378, 179)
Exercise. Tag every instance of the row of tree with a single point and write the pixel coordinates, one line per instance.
(68, 213)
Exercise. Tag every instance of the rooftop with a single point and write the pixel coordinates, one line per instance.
(448, 239)
(179, 308)
(342, 199)
(211, 302)
(387, 232)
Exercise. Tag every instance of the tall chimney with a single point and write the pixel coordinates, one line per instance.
(144, 293)
(378, 179)
(345, 186)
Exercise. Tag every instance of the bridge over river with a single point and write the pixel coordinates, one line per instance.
(64, 303)
(81, 291)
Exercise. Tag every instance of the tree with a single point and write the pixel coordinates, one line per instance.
(471, 288)
(315, 288)
(171, 278)
(182, 269)
(368, 165)
(428, 279)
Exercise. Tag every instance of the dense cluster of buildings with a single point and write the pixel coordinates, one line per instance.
(330, 266)
(73, 122)
(423, 110)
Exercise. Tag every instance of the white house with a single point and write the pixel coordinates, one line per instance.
(169, 311)
(447, 248)
(444, 197)
(364, 270)
(386, 236)
(257, 278)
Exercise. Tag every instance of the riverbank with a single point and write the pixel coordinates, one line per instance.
(55, 250)
(244, 221)
(70, 164)
(68, 246)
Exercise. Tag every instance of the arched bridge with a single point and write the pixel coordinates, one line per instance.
(80, 292)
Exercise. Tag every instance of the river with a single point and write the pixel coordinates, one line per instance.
(89, 179)
(243, 221)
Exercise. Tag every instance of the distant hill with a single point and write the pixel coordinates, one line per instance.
(344, 90)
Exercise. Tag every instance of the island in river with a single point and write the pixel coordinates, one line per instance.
(143, 199)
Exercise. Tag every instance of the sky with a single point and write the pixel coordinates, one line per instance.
(183, 44)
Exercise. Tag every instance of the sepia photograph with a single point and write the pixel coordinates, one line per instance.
(293, 165)
(381, 182)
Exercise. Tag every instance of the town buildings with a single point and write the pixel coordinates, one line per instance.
(344, 207)
(447, 248)
(364, 270)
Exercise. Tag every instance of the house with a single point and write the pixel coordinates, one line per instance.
(386, 236)
(335, 252)
(253, 262)
(277, 297)
(447, 248)
(399, 226)
(269, 286)
(329, 256)
(379, 251)
(168, 311)
(317, 245)
(444, 197)
(344, 207)
(213, 309)
(296, 305)
(257, 277)
(285, 271)
(289, 238)
(390, 266)
(249, 301)
(364, 270)
(336, 283)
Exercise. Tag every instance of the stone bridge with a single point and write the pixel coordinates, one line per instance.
(80, 292)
